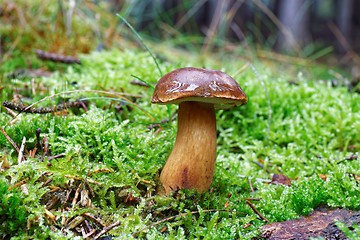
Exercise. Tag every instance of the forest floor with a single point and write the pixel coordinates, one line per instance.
(83, 160)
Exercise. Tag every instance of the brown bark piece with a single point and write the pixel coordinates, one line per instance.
(318, 223)
(332, 232)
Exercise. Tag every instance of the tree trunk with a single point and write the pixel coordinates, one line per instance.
(294, 15)
(345, 10)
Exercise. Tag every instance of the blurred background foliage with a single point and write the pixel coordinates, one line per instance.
(303, 28)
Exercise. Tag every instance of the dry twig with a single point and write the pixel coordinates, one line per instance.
(61, 155)
(256, 211)
(89, 234)
(18, 184)
(92, 217)
(250, 185)
(10, 112)
(21, 156)
(106, 229)
(45, 145)
(10, 140)
(77, 192)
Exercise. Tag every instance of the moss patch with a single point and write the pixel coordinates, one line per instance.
(112, 154)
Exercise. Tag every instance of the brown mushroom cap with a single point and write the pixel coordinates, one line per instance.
(200, 85)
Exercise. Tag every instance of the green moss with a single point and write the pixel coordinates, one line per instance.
(13, 214)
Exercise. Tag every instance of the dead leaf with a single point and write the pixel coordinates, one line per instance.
(5, 163)
(356, 177)
(281, 179)
(75, 222)
(247, 225)
(323, 176)
(85, 200)
(49, 215)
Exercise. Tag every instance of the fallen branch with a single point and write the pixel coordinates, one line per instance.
(43, 110)
(56, 57)
(119, 95)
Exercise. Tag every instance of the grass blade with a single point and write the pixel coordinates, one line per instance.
(141, 41)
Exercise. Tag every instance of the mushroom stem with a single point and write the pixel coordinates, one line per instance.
(192, 160)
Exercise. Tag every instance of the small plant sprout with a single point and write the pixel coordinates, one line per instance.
(198, 92)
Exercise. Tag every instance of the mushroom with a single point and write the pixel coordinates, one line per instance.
(198, 92)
